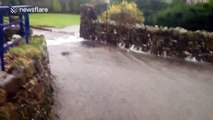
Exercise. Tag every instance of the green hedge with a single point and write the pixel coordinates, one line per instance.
(192, 17)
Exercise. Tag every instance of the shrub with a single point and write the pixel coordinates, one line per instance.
(125, 12)
(192, 17)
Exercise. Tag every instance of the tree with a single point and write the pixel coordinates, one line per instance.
(76, 6)
(67, 7)
(178, 2)
(10, 2)
(57, 7)
(192, 17)
(211, 2)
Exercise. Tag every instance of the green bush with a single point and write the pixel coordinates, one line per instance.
(192, 17)
(125, 12)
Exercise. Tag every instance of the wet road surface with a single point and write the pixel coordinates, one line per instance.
(94, 81)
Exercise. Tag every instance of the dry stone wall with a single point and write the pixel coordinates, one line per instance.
(162, 41)
(25, 86)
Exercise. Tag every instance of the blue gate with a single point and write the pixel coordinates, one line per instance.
(23, 22)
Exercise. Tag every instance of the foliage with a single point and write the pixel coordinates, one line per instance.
(27, 51)
(10, 2)
(66, 6)
(178, 2)
(149, 7)
(211, 2)
(125, 12)
(193, 17)
(57, 5)
(37, 41)
(36, 104)
(4, 115)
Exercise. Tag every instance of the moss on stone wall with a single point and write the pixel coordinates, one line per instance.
(32, 97)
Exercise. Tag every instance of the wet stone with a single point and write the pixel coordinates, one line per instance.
(9, 83)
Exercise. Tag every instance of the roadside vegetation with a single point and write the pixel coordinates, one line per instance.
(171, 13)
(32, 96)
(175, 13)
(192, 17)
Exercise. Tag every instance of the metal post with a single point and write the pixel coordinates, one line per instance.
(27, 27)
(21, 24)
(9, 14)
(2, 43)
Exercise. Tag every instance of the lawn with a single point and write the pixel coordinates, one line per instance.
(54, 20)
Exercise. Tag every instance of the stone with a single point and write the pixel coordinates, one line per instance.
(182, 30)
(16, 37)
(19, 73)
(8, 33)
(187, 53)
(9, 83)
(211, 35)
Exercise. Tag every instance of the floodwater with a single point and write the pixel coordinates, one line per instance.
(95, 81)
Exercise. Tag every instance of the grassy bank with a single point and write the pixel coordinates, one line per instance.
(54, 20)
(27, 93)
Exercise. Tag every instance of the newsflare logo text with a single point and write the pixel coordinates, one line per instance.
(15, 10)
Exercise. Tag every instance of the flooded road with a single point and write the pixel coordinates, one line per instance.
(94, 81)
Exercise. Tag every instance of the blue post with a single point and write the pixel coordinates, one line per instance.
(21, 24)
(9, 14)
(2, 43)
(27, 27)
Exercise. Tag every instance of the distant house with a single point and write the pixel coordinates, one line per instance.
(196, 1)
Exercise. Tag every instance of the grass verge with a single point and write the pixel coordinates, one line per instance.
(54, 20)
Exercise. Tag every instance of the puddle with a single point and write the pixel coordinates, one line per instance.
(65, 53)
